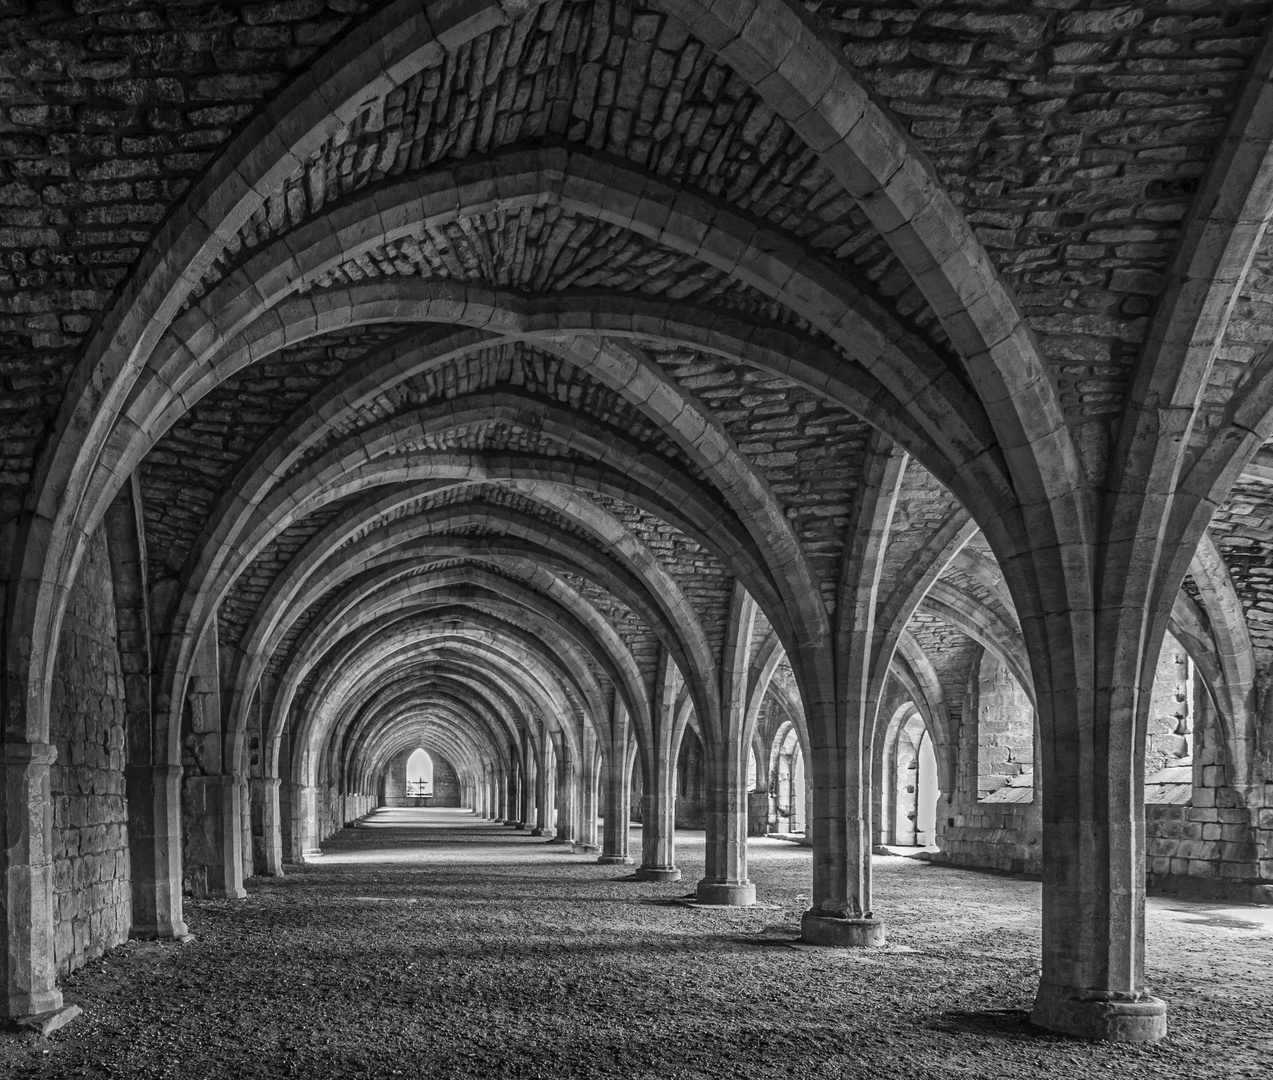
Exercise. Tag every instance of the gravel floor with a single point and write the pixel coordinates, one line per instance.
(463, 949)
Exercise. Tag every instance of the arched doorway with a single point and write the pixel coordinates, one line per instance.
(420, 778)
(912, 786)
(789, 795)
(926, 793)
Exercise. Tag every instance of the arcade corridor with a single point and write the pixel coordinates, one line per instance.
(421, 928)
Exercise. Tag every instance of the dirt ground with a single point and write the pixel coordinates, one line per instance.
(462, 949)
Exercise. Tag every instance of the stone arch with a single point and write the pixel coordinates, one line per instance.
(905, 737)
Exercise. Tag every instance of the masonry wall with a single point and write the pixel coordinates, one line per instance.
(395, 781)
(970, 831)
(1220, 843)
(1215, 842)
(446, 784)
(1004, 719)
(91, 880)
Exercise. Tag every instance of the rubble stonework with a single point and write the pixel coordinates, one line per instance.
(91, 874)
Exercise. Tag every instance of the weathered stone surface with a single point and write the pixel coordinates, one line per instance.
(91, 880)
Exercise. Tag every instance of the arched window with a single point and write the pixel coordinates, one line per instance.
(1169, 733)
(1005, 734)
(420, 773)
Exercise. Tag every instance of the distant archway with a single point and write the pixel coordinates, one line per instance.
(790, 783)
(926, 793)
(419, 774)
(911, 786)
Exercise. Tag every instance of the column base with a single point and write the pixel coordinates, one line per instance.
(234, 893)
(658, 873)
(587, 849)
(178, 931)
(615, 860)
(1091, 1015)
(44, 1023)
(727, 893)
(817, 929)
(557, 840)
(536, 832)
(513, 824)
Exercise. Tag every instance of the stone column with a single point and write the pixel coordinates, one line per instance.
(501, 796)
(586, 804)
(26, 902)
(658, 824)
(213, 799)
(562, 768)
(215, 836)
(658, 789)
(541, 789)
(154, 849)
(267, 843)
(513, 791)
(152, 791)
(725, 878)
(618, 809)
(290, 806)
(244, 791)
(307, 825)
(526, 807)
(841, 711)
(1094, 887)
(840, 823)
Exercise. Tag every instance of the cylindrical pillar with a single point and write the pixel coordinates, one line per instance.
(658, 821)
(618, 809)
(725, 863)
(541, 791)
(562, 769)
